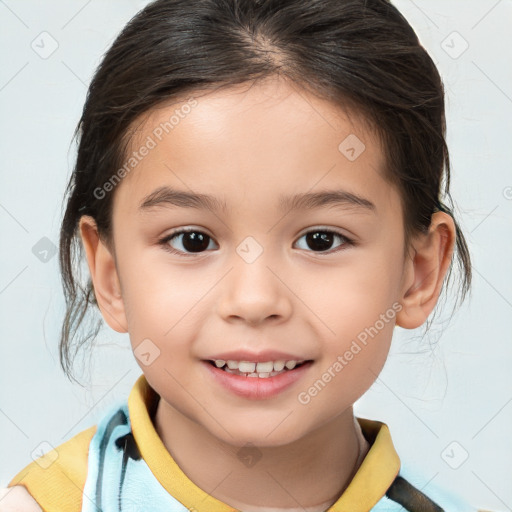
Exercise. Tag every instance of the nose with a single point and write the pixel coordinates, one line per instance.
(254, 293)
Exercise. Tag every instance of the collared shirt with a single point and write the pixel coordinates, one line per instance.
(122, 465)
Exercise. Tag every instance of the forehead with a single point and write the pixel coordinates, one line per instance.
(269, 136)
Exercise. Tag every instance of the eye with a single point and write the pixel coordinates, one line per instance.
(188, 241)
(321, 240)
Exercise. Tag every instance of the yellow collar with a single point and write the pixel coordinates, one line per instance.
(376, 473)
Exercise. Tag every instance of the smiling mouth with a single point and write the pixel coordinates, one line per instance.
(261, 370)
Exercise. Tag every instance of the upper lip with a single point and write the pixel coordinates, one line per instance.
(256, 357)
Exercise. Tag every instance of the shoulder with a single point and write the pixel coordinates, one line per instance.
(17, 499)
(57, 477)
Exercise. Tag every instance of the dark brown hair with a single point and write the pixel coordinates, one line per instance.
(359, 54)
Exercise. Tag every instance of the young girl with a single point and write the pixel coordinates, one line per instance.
(258, 192)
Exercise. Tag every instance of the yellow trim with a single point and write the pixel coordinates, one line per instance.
(60, 486)
(370, 483)
(159, 460)
(56, 479)
(376, 473)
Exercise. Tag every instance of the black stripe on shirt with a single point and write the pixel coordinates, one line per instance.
(410, 498)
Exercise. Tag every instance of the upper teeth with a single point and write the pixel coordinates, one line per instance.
(248, 367)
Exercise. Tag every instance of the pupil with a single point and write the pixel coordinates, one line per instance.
(195, 242)
(321, 239)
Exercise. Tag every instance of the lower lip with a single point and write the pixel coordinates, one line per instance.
(257, 388)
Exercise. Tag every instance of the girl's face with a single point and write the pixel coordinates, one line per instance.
(316, 280)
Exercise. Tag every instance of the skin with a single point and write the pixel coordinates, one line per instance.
(248, 146)
(18, 499)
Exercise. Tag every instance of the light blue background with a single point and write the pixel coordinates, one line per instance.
(440, 405)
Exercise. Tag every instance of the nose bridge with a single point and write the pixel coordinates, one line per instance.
(252, 291)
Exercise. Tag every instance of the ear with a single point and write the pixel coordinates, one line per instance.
(107, 287)
(425, 270)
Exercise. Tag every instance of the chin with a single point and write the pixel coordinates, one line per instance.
(263, 434)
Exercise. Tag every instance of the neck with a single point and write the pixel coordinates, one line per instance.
(281, 478)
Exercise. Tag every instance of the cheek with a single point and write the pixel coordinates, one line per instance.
(347, 370)
(362, 355)
(357, 306)
(159, 298)
(351, 298)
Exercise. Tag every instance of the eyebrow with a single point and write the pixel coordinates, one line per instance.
(169, 197)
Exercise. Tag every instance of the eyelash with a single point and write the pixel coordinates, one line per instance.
(165, 245)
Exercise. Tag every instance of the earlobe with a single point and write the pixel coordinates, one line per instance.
(425, 271)
(104, 275)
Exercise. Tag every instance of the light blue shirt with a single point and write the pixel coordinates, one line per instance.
(119, 480)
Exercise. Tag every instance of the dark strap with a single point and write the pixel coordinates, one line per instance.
(410, 498)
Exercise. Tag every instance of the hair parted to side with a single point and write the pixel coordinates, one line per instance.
(360, 54)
